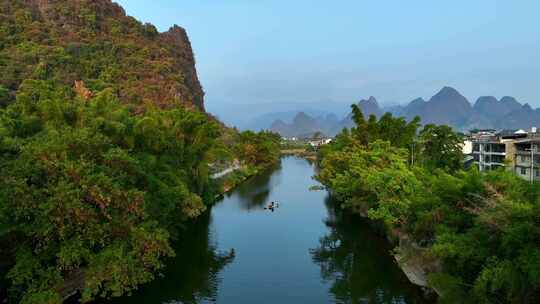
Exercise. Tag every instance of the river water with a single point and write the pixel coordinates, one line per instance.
(305, 251)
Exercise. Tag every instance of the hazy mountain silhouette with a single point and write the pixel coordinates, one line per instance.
(304, 125)
(447, 107)
(368, 106)
(329, 125)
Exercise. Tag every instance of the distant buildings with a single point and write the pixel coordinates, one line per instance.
(527, 158)
(319, 142)
(289, 138)
(515, 150)
(314, 142)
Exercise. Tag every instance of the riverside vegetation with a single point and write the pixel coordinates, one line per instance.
(92, 195)
(478, 233)
(105, 149)
(106, 153)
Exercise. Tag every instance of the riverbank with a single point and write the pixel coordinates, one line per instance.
(410, 257)
(300, 152)
(415, 263)
(235, 177)
(313, 253)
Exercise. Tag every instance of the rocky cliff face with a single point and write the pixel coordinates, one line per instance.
(177, 41)
(94, 41)
(55, 10)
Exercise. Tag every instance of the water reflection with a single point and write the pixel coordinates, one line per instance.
(255, 197)
(308, 252)
(356, 263)
(192, 276)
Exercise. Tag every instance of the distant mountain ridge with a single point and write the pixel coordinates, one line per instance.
(304, 125)
(368, 106)
(447, 107)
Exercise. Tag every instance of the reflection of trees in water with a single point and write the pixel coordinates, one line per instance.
(197, 265)
(193, 275)
(357, 264)
(254, 193)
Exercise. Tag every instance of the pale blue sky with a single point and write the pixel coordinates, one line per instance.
(255, 52)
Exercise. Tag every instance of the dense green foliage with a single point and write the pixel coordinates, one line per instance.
(482, 228)
(104, 155)
(258, 149)
(88, 186)
(396, 130)
(93, 194)
(440, 148)
(94, 41)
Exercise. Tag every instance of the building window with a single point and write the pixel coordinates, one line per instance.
(537, 172)
(523, 171)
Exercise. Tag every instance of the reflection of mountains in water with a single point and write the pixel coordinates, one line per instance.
(355, 261)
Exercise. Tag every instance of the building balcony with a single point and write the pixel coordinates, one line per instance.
(524, 152)
(527, 164)
(525, 173)
(490, 153)
(489, 163)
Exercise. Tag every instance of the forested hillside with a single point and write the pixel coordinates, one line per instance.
(93, 41)
(105, 150)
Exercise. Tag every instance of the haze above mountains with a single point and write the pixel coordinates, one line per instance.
(447, 107)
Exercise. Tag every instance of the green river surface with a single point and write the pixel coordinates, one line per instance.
(305, 251)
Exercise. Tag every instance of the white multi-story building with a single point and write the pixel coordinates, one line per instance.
(516, 151)
(491, 150)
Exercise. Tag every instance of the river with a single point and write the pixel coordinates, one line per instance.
(303, 252)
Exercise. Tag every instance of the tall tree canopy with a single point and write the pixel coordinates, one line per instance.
(481, 228)
(93, 193)
(259, 148)
(441, 147)
(396, 130)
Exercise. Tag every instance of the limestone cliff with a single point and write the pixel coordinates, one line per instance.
(94, 41)
(177, 40)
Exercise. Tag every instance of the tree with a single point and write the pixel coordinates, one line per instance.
(360, 131)
(91, 191)
(5, 98)
(441, 148)
(259, 149)
(480, 228)
(395, 130)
